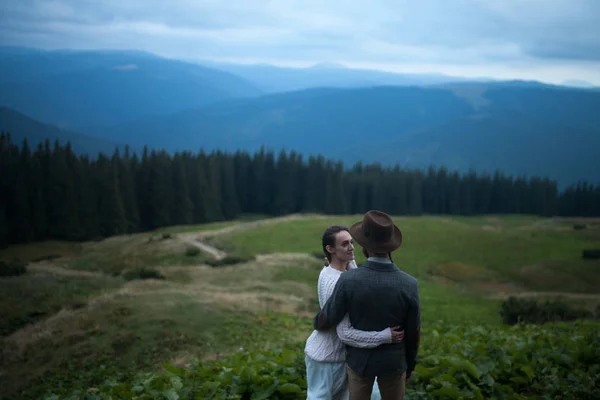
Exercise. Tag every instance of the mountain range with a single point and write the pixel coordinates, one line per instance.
(74, 89)
(115, 97)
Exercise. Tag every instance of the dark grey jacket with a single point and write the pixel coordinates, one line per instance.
(377, 296)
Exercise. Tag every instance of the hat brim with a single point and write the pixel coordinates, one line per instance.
(356, 231)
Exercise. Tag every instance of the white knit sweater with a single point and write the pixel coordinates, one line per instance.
(328, 345)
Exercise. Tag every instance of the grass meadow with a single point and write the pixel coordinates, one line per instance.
(75, 320)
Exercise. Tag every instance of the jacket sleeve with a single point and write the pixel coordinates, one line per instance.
(412, 331)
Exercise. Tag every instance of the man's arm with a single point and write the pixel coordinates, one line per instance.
(363, 339)
(336, 307)
(412, 333)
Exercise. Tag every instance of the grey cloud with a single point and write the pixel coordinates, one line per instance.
(426, 31)
(566, 50)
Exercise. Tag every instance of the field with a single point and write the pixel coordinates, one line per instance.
(81, 318)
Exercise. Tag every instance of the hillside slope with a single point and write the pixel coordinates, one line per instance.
(21, 126)
(76, 89)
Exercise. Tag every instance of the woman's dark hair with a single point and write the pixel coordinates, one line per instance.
(329, 238)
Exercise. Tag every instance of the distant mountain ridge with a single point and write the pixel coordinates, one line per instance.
(74, 89)
(272, 79)
(518, 127)
(22, 127)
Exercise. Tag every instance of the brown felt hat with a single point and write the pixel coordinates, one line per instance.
(377, 232)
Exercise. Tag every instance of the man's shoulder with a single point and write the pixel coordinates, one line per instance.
(410, 284)
(350, 274)
(411, 280)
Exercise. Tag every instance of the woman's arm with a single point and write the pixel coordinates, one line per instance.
(365, 339)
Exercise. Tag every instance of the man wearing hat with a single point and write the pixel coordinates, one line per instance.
(377, 295)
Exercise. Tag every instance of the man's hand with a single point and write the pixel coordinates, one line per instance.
(397, 334)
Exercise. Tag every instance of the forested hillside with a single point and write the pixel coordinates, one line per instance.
(518, 127)
(521, 129)
(50, 192)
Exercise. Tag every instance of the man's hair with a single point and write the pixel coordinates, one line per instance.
(366, 254)
(329, 238)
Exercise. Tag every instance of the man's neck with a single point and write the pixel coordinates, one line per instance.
(379, 258)
(380, 255)
(338, 264)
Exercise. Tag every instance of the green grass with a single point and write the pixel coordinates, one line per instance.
(38, 294)
(32, 251)
(194, 228)
(507, 254)
(212, 226)
(125, 336)
(200, 311)
(114, 256)
(307, 276)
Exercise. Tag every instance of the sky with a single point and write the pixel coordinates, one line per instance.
(547, 40)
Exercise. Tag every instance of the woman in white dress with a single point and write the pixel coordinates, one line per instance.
(325, 354)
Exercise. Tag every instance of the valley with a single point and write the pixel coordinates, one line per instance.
(100, 101)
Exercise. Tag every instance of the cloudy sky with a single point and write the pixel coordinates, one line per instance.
(548, 40)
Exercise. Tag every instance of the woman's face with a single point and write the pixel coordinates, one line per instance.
(344, 247)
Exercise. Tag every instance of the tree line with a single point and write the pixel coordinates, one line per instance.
(49, 192)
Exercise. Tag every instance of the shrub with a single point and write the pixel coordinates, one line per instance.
(579, 227)
(220, 243)
(166, 236)
(515, 310)
(48, 257)
(12, 268)
(192, 251)
(142, 273)
(591, 254)
(230, 259)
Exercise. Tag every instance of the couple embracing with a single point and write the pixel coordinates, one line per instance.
(367, 333)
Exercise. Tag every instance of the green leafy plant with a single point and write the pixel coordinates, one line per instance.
(520, 362)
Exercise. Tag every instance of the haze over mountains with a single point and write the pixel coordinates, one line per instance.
(272, 79)
(140, 99)
(72, 88)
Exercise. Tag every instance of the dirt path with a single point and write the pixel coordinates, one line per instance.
(196, 238)
(205, 247)
(244, 226)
